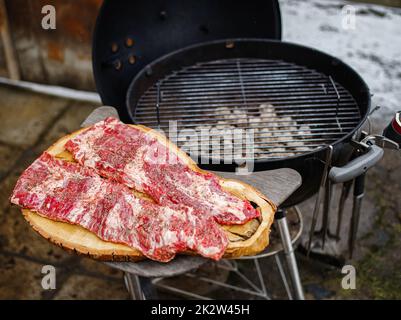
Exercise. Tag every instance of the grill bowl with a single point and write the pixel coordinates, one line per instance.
(312, 87)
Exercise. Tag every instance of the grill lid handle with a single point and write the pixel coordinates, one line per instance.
(357, 166)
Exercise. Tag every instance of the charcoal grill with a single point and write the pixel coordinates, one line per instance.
(159, 61)
(314, 89)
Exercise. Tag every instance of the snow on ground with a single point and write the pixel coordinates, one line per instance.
(373, 47)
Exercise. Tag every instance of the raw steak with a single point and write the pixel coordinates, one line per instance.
(138, 160)
(65, 191)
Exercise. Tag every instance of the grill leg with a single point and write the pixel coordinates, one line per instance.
(133, 284)
(289, 254)
(283, 276)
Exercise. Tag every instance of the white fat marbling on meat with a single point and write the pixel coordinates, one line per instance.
(48, 184)
(76, 213)
(169, 237)
(200, 188)
(85, 153)
(134, 203)
(208, 250)
(113, 219)
(134, 171)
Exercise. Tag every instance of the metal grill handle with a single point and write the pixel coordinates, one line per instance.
(357, 166)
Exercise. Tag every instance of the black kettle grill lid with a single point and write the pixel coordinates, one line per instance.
(131, 34)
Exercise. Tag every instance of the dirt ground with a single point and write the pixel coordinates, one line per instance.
(31, 122)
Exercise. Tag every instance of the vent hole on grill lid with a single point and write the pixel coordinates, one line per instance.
(131, 59)
(117, 64)
(129, 42)
(114, 47)
(230, 44)
(163, 15)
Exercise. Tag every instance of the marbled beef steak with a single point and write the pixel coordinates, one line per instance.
(68, 192)
(90, 207)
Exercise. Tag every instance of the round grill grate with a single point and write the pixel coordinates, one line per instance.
(290, 109)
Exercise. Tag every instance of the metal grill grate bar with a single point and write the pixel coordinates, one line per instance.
(235, 101)
(311, 122)
(276, 116)
(251, 88)
(285, 134)
(302, 81)
(249, 108)
(261, 94)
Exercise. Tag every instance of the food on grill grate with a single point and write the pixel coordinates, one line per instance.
(243, 239)
(284, 136)
(223, 112)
